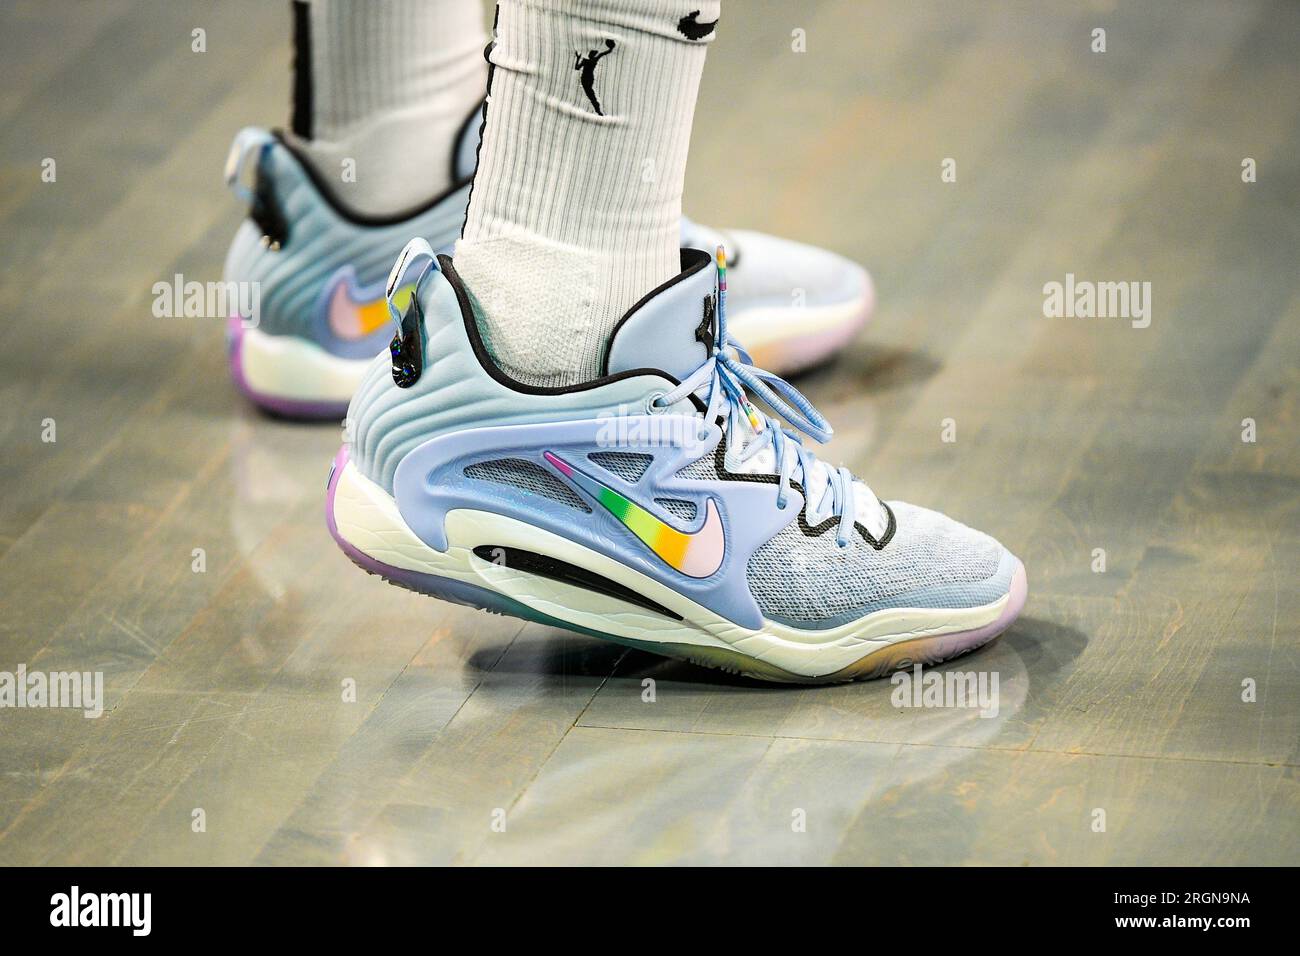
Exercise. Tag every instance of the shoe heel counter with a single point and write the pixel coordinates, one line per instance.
(385, 417)
(257, 252)
(244, 257)
(459, 389)
(273, 247)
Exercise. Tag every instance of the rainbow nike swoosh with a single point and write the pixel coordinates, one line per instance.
(696, 555)
(351, 319)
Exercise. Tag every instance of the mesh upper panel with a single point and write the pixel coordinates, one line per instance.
(807, 580)
(628, 465)
(526, 476)
(677, 507)
(701, 469)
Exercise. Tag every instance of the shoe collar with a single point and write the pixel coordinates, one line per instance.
(673, 327)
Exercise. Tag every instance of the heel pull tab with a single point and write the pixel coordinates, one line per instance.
(262, 206)
(248, 140)
(402, 292)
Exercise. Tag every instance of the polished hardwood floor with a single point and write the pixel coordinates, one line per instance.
(1148, 713)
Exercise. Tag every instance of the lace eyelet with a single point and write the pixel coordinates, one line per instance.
(781, 503)
(653, 405)
(841, 544)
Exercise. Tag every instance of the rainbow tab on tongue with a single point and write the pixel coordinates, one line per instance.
(722, 283)
(751, 413)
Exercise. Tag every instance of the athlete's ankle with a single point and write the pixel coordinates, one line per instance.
(576, 205)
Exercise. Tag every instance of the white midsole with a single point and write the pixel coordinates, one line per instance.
(368, 518)
(286, 366)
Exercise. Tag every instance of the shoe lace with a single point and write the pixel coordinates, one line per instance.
(722, 381)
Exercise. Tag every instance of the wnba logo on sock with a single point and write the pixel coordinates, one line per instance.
(587, 64)
(207, 300)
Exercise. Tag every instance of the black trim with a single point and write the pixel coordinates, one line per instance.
(810, 531)
(265, 211)
(351, 215)
(302, 119)
(453, 174)
(816, 532)
(547, 567)
(498, 374)
(692, 261)
(732, 246)
(482, 126)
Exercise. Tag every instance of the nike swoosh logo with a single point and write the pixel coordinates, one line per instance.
(696, 555)
(353, 315)
(690, 26)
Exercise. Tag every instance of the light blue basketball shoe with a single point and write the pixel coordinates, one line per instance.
(319, 274)
(655, 505)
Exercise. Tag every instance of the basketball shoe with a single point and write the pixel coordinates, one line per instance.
(320, 270)
(656, 505)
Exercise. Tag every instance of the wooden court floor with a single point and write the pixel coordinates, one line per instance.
(1149, 712)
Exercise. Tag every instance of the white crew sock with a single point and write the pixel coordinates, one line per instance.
(387, 84)
(575, 215)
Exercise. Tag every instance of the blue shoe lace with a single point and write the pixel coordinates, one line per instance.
(722, 381)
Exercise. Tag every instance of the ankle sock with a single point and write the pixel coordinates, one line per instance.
(576, 205)
(387, 85)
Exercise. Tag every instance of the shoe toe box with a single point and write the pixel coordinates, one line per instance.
(931, 562)
(941, 562)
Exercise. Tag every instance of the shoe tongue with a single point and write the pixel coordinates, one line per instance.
(674, 328)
